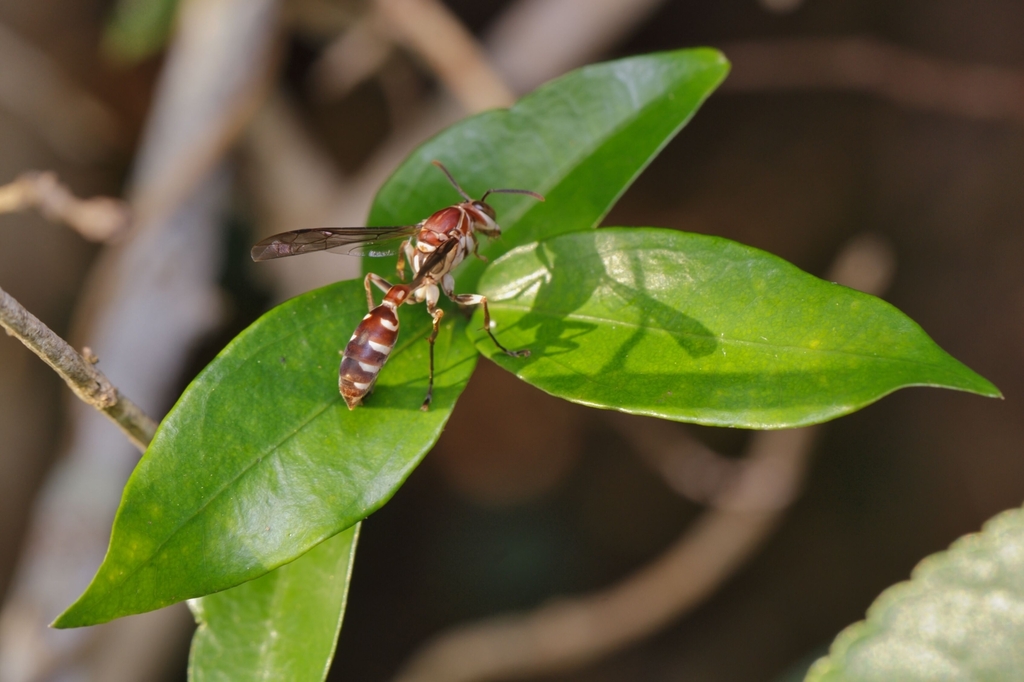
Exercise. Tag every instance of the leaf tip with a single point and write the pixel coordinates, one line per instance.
(981, 386)
(91, 607)
(69, 619)
(716, 59)
(716, 56)
(88, 609)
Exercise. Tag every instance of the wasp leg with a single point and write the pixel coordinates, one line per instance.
(437, 314)
(404, 254)
(476, 251)
(378, 282)
(477, 299)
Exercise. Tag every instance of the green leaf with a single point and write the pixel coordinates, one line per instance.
(138, 29)
(701, 329)
(960, 617)
(260, 460)
(580, 141)
(281, 626)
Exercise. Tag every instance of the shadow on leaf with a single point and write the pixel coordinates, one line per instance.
(574, 271)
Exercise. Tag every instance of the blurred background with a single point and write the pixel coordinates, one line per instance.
(878, 143)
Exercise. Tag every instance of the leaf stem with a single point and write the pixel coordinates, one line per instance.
(87, 382)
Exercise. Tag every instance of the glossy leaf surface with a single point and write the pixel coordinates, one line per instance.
(701, 329)
(960, 617)
(260, 460)
(580, 141)
(281, 626)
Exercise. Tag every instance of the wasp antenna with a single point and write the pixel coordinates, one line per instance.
(452, 180)
(513, 191)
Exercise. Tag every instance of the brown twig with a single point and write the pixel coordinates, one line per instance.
(87, 382)
(748, 501)
(98, 219)
(871, 66)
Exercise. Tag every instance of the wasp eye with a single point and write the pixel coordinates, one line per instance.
(485, 208)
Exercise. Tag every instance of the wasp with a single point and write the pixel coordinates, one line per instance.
(432, 248)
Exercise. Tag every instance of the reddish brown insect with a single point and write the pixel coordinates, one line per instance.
(432, 248)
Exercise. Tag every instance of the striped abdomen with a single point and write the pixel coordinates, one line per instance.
(366, 353)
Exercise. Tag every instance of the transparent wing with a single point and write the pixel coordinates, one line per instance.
(352, 241)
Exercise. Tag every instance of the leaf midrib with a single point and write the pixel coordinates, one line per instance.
(721, 339)
(256, 460)
(266, 454)
(516, 216)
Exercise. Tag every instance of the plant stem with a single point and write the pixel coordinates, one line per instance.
(87, 382)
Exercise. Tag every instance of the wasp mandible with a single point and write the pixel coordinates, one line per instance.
(432, 248)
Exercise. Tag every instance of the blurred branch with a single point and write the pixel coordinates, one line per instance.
(98, 219)
(297, 181)
(33, 87)
(149, 299)
(536, 40)
(533, 41)
(428, 29)
(189, 133)
(748, 502)
(87, 382)
(867, 263)
(570, 632)
(687, 466)
(873, 67)
(353, 57)
(322, 19)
